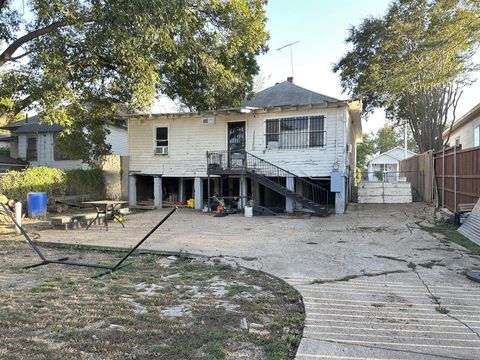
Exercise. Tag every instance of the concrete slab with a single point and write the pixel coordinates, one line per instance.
(362, 297)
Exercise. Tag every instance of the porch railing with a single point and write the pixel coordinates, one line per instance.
(244, 162)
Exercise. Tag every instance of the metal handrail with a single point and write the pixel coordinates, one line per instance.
(244, 161)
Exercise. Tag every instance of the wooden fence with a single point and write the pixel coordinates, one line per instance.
(457, 174)
(419, 172)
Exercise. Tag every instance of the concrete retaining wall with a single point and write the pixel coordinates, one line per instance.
(384, 193)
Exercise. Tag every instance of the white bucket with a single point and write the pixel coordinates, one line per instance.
(248, 211)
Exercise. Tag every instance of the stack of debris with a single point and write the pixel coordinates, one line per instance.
(10, 203)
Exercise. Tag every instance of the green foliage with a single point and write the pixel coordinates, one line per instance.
(90, 182)
(379, 175)
(87, 60)
(365, 149)
(17, 184)
(413, 61)
(358, 175)
(387, 139)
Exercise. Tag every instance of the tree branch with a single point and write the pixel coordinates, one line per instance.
(7, 54)
(3, 3)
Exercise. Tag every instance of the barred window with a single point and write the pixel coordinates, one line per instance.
(295, 132)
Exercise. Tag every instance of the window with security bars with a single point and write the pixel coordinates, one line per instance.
(295, 132)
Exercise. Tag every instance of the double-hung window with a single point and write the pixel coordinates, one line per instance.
(295, 132)
(161, 140)
(476, 136)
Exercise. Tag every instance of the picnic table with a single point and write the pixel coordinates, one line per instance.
(103, 207)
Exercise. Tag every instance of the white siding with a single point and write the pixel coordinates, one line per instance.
(465, 133)
(22, 147)
(45, 157)
(118, 138)
(189, 140)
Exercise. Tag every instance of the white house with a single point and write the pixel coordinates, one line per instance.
(33, 141)
(287, 147)
(387, 165)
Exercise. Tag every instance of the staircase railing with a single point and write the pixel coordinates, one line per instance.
(246, 162)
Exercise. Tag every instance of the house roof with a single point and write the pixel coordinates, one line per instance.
(34, 125)
(31, 125)
(7, 160)
(287, 94)
(469, 116)
(389, 154)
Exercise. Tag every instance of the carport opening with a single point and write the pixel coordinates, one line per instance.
(145, 189)
(170, 189)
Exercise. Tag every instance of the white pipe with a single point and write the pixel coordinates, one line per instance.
(18, 216)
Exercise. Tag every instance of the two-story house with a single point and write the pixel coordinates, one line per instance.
(287, 148)
(33, 142)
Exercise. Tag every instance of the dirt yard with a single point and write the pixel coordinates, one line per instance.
(155, 308)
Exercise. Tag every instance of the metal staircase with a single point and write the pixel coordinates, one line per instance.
(313, 197)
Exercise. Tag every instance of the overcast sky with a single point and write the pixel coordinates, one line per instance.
(321, 27)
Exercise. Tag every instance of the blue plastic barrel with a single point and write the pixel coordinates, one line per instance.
(37, 204)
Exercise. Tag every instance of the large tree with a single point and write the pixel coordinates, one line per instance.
(79, 62)
(414, 62)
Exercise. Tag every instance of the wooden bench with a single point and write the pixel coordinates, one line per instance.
(74, 221)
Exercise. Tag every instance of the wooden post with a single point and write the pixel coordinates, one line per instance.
(455, 179)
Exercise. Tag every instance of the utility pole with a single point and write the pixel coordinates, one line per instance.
(405, 140)
(291, 53)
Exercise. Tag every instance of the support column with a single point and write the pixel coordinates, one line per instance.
(132, 190)
(256, 192)
(198, 186)
(289, 204)
(340, 198)
(181, 190)
(243, 192)
(216, 186)
(157, 191)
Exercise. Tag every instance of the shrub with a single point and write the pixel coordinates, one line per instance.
(17, 184)
(80, 182)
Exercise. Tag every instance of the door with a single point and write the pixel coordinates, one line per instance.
(236, 144)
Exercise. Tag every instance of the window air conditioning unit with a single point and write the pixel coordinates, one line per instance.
(161, 150)
(208, 121)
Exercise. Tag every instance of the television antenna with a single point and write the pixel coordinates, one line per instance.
(289, 45)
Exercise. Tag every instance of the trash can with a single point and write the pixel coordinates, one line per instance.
(36, 204)
(248, 211)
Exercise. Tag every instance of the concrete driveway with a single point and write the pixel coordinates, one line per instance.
(376, 285)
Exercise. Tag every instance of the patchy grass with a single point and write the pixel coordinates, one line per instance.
(449, 231)
(152, 309)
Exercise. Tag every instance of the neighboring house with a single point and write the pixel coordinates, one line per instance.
(8, 163)
(465, 131)
(387, 165)
(301, 140)
(33, 141)
(4, 143)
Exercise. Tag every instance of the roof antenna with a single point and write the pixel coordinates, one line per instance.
(291, 52)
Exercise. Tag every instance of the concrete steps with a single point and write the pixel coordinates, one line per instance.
(384, 193)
